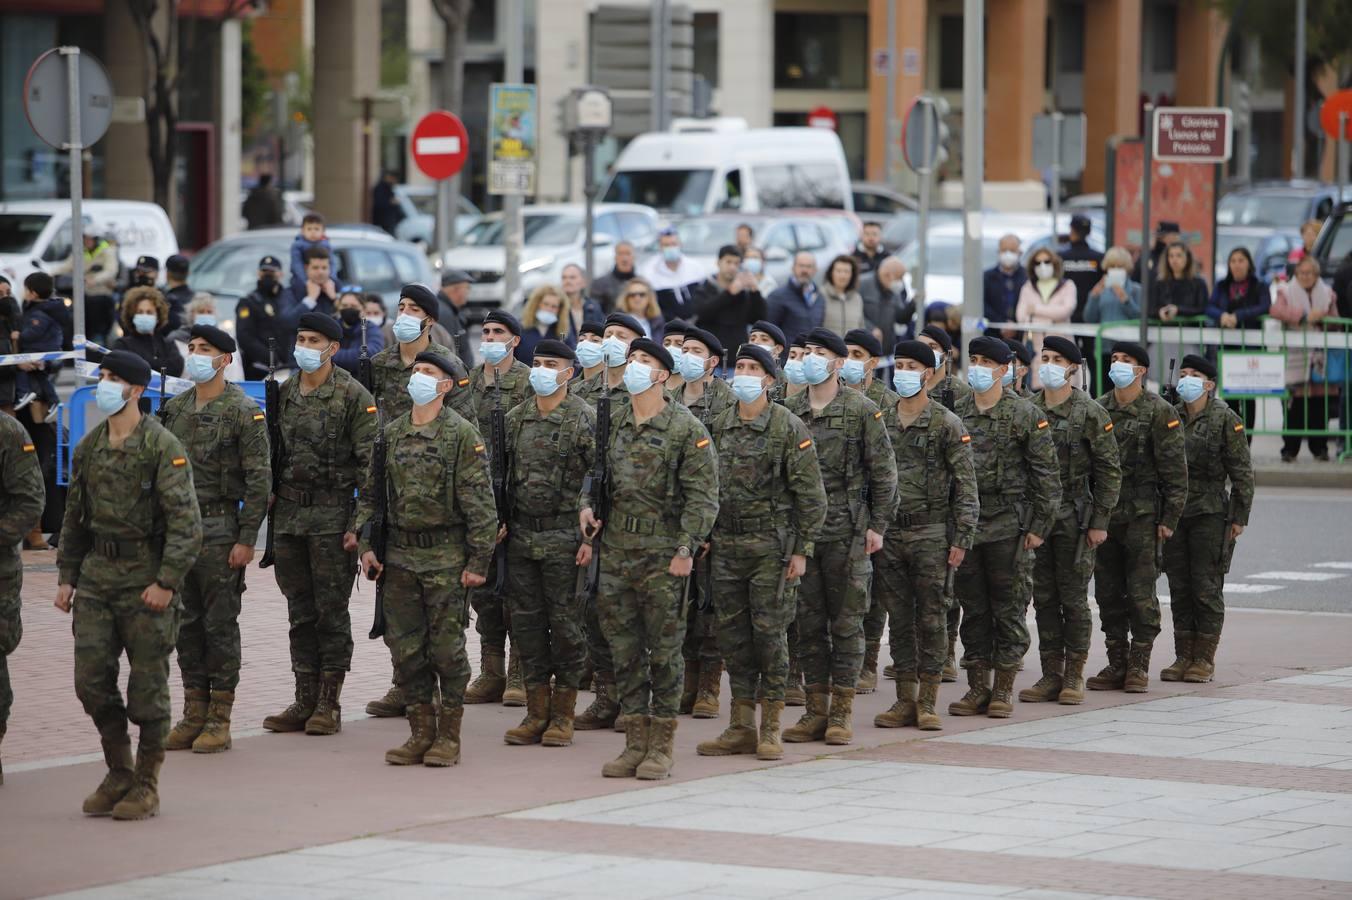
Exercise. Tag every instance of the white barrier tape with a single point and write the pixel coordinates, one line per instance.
(18, 359)
(172, 385)
(1211, 336)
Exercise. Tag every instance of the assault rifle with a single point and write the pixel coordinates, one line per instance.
(159, 368)
(272, 402)
(1228, 542)
(1169, 390)
(378, 528)
(364, 374)
(597, 485)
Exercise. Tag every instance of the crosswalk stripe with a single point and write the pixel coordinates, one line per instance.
(1297, 576)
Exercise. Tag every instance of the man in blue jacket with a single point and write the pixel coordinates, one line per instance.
(1001, 285)
(798, 306)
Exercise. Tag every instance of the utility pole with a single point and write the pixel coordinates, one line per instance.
(893, 132)
(659, 51)
(1298, 114)
(973, 157)
(1147, 235)
(514, 73)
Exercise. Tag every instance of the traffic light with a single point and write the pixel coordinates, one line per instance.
(1240, 102)
(942, 111)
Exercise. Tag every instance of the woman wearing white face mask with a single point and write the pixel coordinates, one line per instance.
(1047, 297)
(144, 314)
(753, 263)
(1116, 297)
(543, 319)
(201, 310)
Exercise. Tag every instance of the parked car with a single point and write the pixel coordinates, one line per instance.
(1284, 205)
(36, 234)
(874, 201)
(419, 203)
(900, 229)
(780, 236)
(554, 236)
(1334, 244)
(1269, 248)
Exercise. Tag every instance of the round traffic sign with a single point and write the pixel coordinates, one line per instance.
(46, 98)
(1338, 102)
(822, 117)
(440, 144)
(920, 135)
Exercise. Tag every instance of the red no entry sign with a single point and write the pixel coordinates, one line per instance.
(822, 117)
(440, 144)
(1192, 134)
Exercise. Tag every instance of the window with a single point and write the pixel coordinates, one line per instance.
(732, 190)
(810, 237)
(821, 52)
(1070, 38)
(59, 248)
(407, 267)
(1162, 36)
(799, 186)
(19, 231)
(780, 236)
(950, 53)
(609, 224)
(372, 269)
(706, 47)
(680, 191)
(636, 228)
(482, 27)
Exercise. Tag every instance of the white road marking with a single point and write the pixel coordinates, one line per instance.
(1242, 588)
(1334, 565)
(1297, 576)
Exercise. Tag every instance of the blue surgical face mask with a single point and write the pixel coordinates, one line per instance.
(939, 360)
(617, 351)
(852, 371)
(815, 368)
(691, 366)
(590, 353)
(108, 397)
(204, 319)
(200, 368)
(1190, 388)
(309, 359)
(1008, 378)
(1122, 374)
(907, 383)
(747, 387)
(546, 318)
(407, 328)
(752, 266)
(1052, 376)
(677, 354)
(494, 351)
(638, 377)
(793, 372)
(671, 254)
(980, 378)
(422, 388)
(144, 322)
(544, 381)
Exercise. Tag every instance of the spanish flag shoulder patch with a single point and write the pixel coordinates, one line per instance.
(1042, 423)
(878, 414)
(1108, 427)
(478, 448)
(1239, 426)
(180, 461)
(966, 438)
(1173, 424)
(462, 382)
(28, 448)
(370, 409)
(802, 446)
(702, 443)
(258, 417)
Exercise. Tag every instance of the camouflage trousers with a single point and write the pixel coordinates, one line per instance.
(598, 648)
(1061, 591)
(701, 644)
(1124, 581)
(548, 620)
(104, 627)
(753, 621)
(425, 616)
(1195, 561)
(11, 624)
(875, 621)
(208, 635)
(832, 603)
(316, 574)
(642, 613)
(490, 614)
(908, 581)
(988, 584)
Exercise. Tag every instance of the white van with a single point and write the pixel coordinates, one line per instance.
(35, 234)
(705, 165)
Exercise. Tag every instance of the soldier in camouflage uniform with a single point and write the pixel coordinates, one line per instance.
(226, 438)
(706, 396)
(673, 339)
(859, 474)
(771, 509)
(859, 373)
(441, 528)
(21, 500)
(794, 382)
(550, 450)
(771, 337)
(591, 357)
(664, 499)
(618, 331)
(1154, 456)
(1016, 379)
(1020, 492)
(1198, 555)
(327, 423)
(129, 538)
(1090, 481)
(934, 526)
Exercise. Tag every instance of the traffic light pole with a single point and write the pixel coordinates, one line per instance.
(1147, 236)
(589, 191)
(973, 155)
(926, 174)
(513, 73)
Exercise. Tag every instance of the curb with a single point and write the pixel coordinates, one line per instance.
(1330, 475)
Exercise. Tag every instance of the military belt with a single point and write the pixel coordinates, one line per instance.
(543, 523)
(992, 502)
(118, 548)
(219, 508)
(915, 520)
(748, 525)
(424, 538)
(635, 525)
(313, 496)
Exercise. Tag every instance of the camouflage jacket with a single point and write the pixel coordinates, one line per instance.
(326, 451)
(716, 398)
(1154, 457)
(1217, 453)
(589, 390)
(131, 513)
(856, 462)
(780, 389)
(1087, 453)
(882, 396)
(548, 457)
(391, 382)
(771, 499)
(1016, 470)
(22, 492)
(936, 478)
(949, 391)
(664, 481)
(227, 442)
(438, 487)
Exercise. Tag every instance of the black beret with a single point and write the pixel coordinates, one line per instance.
(422, 295)
(653, 349)
(178, 264)
(772, 330)
(554, 349)
(214, 336)
(861, 338)
(443, 363)
(270, 262)
(1020, 350)
(127, 366)
(939, 336)
(596, 328)
(1134, 350)
(324, 324)
(706, 338)
(1064, 346)
(1200, 363)
(799, 341)
(760, 355)
(825, 337)
(455, 276)
(505, 319)
(990, 347)
(147, 262)
(916, 350)
(624, 320)
(676, 326)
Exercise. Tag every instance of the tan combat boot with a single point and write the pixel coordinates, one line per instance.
(1111, 676)
(1047, 688)
(215, 736)
(738, 737)
(294, 717)
(902, 713)
(1137, 680)
(978, 696)
(194, 720)
(118, 781)
(391, 706)
(1072, 683)
(889, 671)
(1001, 704)
(768, 745)
(143, 800)
(661, 753)
(690, 688)
(603, 710)
(635, 749)
(328, 714)
(812, 725)
(706, 693)
(514, 692)
(950, 670)
(868, 675)
(536, 720)
(1203, 666)
(422, 726)
(445, 750)
(492, 680)
(561, 707)
(928, 695)
(793, 689)
(838, 721)
(1184, 642)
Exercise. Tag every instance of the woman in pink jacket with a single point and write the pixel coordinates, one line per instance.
(1302, 304)
(1046, 297)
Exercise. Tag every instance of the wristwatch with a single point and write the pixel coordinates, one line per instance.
(683, 552)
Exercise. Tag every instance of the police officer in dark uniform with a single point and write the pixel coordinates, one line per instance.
(258, 318)
(176, 291)
(452, 299)
(1083, 266)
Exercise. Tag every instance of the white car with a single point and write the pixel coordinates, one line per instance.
(419, 203)
(35, 234)
(554, 236)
